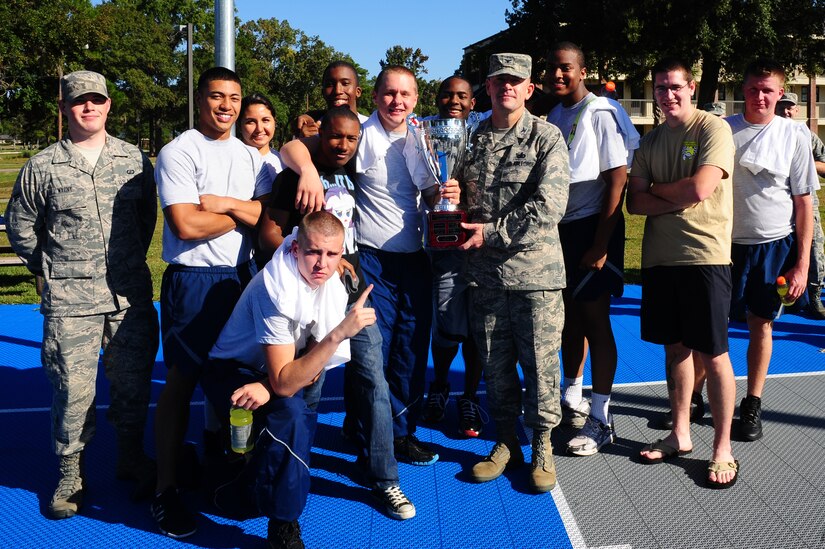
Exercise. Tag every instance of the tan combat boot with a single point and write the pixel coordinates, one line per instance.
(68, 496)
(505, 455)
(543, 473)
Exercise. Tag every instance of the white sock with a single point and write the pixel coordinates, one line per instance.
(599, 405)
(572, 395)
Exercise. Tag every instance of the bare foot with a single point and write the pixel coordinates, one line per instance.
(682, 446)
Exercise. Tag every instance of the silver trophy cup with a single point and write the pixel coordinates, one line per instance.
(443, 143)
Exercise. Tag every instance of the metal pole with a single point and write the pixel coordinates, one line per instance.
(59, 99)
(225, 33)
(189, 75)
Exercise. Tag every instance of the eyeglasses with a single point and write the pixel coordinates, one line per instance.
(662, 90)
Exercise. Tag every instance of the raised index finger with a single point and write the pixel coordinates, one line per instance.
(363, 299)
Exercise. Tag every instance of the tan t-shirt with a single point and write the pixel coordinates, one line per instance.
(701, 234)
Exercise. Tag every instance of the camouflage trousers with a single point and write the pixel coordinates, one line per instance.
(524, 327)
(816, 271)
(70, 354)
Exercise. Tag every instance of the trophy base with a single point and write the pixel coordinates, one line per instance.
(444, 229)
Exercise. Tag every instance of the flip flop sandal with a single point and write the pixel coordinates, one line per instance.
(721, 467)
(667, 451)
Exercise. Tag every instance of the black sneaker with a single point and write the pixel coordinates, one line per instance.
(410, 450)
(697, 413)
(284, 535)
(469, 416)
(395, 503)
(172, 517)
(436, 404)
(750, 418)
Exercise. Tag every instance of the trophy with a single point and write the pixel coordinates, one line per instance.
(443, 143)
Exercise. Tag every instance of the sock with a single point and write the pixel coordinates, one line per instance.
(572, 395)
(598, 406)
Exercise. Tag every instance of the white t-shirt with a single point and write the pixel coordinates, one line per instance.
(389, 203)
(762, 205)
(255, 322)
(192, 165)
(586, 197)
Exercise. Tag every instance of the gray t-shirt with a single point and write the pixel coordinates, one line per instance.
(763, 209)
(194, 164)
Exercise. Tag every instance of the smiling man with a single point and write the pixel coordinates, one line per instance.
(516, 183)
(773, 179)
(592, 239)
(81, 215)
(210, 187)
(681, 180)
(392, 182)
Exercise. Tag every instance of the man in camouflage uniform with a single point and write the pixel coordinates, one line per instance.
(516, 185)
(787, 107)
(81, 215)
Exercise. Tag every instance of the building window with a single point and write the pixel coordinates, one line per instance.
(803, 97)
(721, 93)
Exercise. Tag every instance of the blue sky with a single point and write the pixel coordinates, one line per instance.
(365, 29)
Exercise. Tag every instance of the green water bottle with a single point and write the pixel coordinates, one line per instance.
(240, 422)
(782, 290)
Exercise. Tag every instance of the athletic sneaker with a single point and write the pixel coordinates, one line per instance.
(750, 418)
(410, 450)
(395, 503)
(469, 416)
(436, 403)
(172, 517)
(592, 437)
(575, 417)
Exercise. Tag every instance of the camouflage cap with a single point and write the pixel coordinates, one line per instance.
(514, 64)
(789, 98)
(77, 83)
(716, 109)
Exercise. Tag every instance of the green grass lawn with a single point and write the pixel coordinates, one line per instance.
(17, 284)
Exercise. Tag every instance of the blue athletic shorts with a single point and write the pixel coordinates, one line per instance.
(754, 272)
(195, 303)
(586, 285)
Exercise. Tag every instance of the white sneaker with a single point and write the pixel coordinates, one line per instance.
(592, 437)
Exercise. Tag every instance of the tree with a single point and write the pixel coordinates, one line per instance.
(285, 64)
(411, 58)
(718, 35)
(38, 42)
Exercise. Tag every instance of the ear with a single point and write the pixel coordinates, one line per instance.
(358, 91)
(293, 249)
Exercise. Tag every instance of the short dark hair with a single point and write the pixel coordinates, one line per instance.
(341, 111)
(453, 77)
(762, 67)
(668, 64)
(338, 64)
(217, 73)
(257, 99)
(398, 69)
(569, 46)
